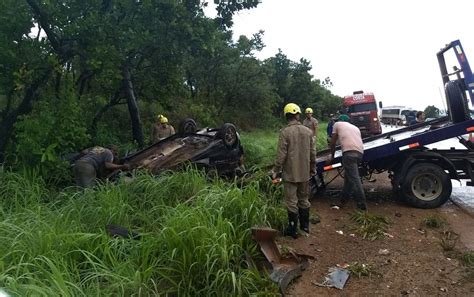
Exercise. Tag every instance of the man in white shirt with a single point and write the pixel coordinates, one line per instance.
(352, 148)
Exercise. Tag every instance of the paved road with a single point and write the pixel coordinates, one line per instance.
(463, 196)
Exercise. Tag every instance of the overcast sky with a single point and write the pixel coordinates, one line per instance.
(385, 47)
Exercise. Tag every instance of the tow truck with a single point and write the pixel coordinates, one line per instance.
(419, 175)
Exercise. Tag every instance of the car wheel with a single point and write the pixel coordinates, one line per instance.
(228, 134)
(457, 104)
(187, 126)
(426, 185)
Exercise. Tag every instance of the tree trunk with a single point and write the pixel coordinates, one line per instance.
(133, 108)
(98, 115)
(26, 105)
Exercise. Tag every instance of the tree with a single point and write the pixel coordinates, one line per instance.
(432, 111)
(112, 66)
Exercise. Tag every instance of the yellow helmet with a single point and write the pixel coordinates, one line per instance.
(309, 110)
(291, 108)
(159, 116)
(163, 120)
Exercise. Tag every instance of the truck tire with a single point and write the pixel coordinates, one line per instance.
(426, 185)
(187, 126)
(457, 104)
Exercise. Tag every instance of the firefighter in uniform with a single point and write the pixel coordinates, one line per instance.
(296, 157)
(311, 122)
(161, 130)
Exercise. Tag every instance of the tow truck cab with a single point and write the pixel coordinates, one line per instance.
(362, 110)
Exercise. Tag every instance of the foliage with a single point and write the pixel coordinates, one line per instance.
(468, 259)
(195, 237)
(434, 221)
(260, 146)
(449, 239)
(370, 226)
(361, 270)
(432, 111)
(112, 66)
(45, 137)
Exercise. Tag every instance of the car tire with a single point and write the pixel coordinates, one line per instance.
(187, 126)
(457, 103)
(426, 185)
(228, 134)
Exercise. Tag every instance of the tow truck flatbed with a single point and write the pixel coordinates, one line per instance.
(420, 175)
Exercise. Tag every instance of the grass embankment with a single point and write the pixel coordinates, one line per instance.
(195, 237)
(260, 146)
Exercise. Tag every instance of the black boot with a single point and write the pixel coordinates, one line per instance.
(304, 219)
(291, 229)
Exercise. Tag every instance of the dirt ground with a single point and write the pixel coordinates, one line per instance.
(416, 264)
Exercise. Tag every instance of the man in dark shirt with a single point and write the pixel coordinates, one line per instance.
(420, 118)
(94, 161)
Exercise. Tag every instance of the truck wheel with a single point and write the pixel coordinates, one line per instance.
(187, 126)
(228, 134)
(426, 185)
(459, 110)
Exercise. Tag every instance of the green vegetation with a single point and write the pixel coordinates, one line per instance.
(260, 146)
(434, 221)
(99, 72)
(370, 226)
(361, 270)
(468, 259)
(449, 239)
(195, 237)
(86, 73)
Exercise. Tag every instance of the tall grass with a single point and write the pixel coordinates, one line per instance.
(195, 238)
(260, 146)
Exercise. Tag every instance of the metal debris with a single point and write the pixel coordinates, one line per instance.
(285, 267)
(336, 278)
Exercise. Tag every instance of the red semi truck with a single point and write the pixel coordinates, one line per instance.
(362, 109)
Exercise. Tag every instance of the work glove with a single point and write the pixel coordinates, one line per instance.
(274, 174)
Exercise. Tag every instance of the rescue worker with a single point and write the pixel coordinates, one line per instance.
(352, 152)
(93, 162)
(311, 123)
(296, 156)
(161, 130)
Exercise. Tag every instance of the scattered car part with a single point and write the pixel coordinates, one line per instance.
(119, 231)
(285, 267)
(336, 278)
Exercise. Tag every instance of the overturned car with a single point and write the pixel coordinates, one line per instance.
(216, 149)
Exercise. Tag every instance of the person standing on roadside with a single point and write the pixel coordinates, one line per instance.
(296, 157)
(420, 118)
(93, 162)
(352, 148)
(331, 122)
(311, 123)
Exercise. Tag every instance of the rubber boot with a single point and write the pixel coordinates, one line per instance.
(292, 228)
(304, 219)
